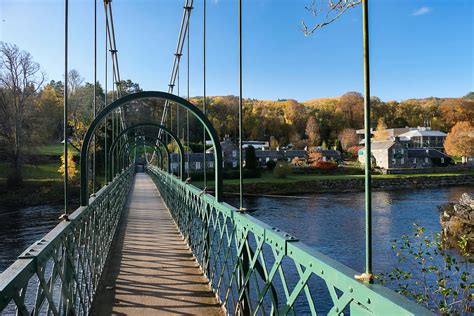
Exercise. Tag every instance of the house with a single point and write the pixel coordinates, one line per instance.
(331, 155)
(424, 137)
(413, 137)
(257, 144)
(394, 154)
(194, 160)
(427, 158)
(230, 152)
(387, 154)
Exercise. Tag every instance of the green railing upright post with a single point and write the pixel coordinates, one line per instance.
(368, 155)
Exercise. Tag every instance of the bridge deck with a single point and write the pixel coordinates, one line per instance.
(151, 270)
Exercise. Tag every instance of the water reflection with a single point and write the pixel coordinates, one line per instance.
(334, 223)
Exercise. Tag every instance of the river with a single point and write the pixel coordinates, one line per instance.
(332, 223)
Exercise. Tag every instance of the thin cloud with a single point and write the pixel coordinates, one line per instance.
(421, 11)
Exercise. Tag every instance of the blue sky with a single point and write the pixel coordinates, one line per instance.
(419, 48)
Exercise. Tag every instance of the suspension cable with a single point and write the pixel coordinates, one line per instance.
(65, 99)
(94, 102)
(106, 134)
(204, 88)
(240, 109)
(187, 111)
(188, 6)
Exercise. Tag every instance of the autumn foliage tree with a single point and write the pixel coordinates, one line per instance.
(348, 138)
(312, 131)
(381, 131)
(460, 141)
(71, 166)
(20, 80)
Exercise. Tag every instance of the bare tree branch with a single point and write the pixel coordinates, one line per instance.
(334, 10)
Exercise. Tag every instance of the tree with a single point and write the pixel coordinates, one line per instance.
(50, 114)
(470, 96)
(457, 110)
(338, 145)
(71, 166)
(312, 131)
(20, 80)
(352, 106)
(251, 158)
(348, 138)
(381, 132)
(460, 141)
(324, 145)
(330, 12)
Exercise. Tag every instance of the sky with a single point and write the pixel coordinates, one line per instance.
(418, 48)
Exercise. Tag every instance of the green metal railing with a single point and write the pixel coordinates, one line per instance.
(59, 274)
(257, 269)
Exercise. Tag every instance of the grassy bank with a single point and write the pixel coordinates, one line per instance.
(42, 183)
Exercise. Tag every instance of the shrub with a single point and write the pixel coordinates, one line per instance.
(432, 277)
(282, 169)
(354, 151)
(325, 165)
(271, 165)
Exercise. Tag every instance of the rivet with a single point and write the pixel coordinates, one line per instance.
(351, 289)
(337, 310)
(322, 271)
(368, 301)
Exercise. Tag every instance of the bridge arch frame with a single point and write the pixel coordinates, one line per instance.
(198, 114)
(134, 143)
(145, 125)
(130, 144)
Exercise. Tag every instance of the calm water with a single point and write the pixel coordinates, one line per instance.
(334, 223)
(19, 228)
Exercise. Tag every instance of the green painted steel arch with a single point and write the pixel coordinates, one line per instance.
(145, 95)
(145, 125)
(148, 142)
(132, 144)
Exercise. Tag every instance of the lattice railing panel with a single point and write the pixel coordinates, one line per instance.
(59, 274)
(255, 269)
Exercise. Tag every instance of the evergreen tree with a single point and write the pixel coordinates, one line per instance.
(251, 158)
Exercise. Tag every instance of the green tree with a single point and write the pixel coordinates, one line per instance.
(251, 161)
(324, 145)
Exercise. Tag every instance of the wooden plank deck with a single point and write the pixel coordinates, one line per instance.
(151, 270)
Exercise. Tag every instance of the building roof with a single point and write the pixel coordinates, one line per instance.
(331, 153)
(422, 133)
(385, 144)
(426, 153)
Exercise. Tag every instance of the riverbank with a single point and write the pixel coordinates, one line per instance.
(35, 192)
(307, 184)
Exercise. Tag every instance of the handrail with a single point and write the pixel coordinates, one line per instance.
(59, 274)
(247, 261)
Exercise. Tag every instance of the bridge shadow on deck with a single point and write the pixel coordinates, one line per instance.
(150, 270)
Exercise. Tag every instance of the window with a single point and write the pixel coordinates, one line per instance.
(211, 164)
(401, 151)
(442, 160)
(234, 153)
(402, 161)
(198, 165)
(234, 164)
(414, 161)
(186, 165)
(394, 161)
(427, 160)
